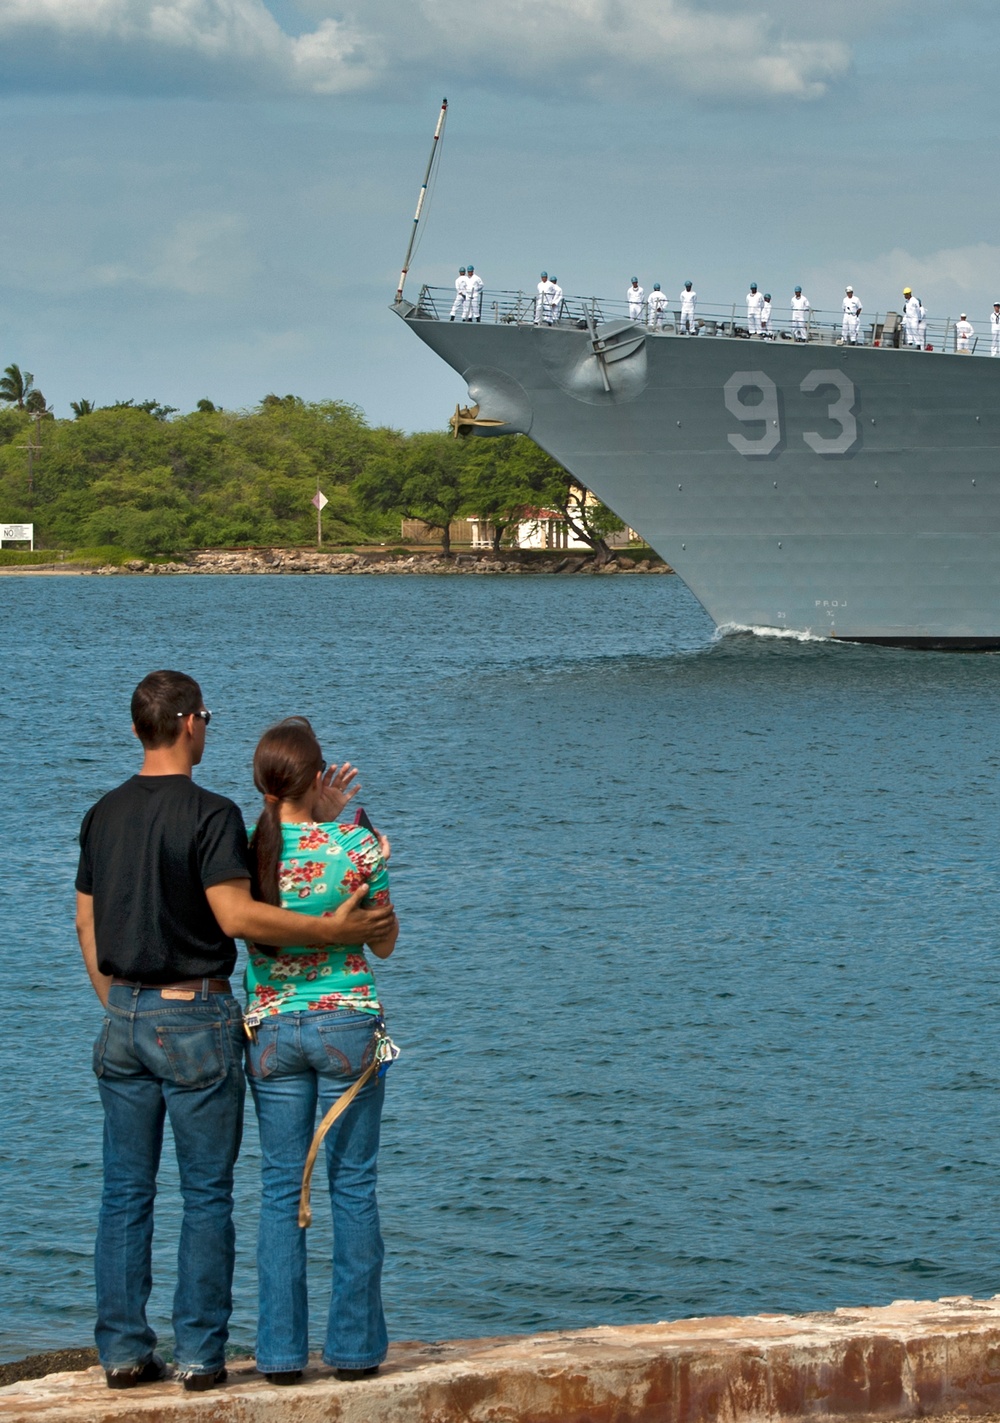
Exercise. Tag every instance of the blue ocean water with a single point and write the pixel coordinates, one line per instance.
(697, 983)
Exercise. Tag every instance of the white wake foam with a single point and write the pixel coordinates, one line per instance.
(791, 634)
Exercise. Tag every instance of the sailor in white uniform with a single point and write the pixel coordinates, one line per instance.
(755, 302)
(851, 330)
(543, 302)
(635, 296)
(963, 333)
(800, 316)
(995, 328)
(656, 306)
(461, 294)
(689, 298)
(556, 299)
(474, 300)
(921, 325)
(765, 318)
(911, 318)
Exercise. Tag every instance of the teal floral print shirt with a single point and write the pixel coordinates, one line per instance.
(321, 865)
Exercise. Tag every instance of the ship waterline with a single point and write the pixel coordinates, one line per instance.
(808, 487)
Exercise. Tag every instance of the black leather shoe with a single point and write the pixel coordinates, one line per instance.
(201, 1383)
(152, 1371)
(289, 1376)
(348, 1375)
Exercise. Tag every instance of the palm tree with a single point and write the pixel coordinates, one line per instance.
(35, 402)
(80, 408)
(16, 385)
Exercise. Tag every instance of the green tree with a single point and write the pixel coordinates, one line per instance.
(150, 407)
(206, 407)
(424, 479)
(80, 408)
(553, 487)
(494, 484)
(16, 386)
(141, 510)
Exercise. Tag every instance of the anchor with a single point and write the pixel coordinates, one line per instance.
(598, 348)
(467, 417)
(615, 341)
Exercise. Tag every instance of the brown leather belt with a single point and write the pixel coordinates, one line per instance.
(215, 985)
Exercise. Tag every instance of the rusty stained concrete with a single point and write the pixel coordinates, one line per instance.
(910, 1359)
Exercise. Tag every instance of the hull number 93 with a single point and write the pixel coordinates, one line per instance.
(831, 387)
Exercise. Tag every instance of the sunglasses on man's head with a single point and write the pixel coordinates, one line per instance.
(205, 716)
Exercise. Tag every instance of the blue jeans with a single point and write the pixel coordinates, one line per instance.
(157, 1057)
(302, 1060)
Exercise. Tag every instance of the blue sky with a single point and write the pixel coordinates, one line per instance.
(212, 197)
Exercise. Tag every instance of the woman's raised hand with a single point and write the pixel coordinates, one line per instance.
(335, 790)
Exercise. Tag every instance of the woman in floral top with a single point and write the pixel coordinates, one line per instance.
(314, 1013)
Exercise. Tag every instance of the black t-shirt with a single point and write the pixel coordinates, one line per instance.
(148, 851)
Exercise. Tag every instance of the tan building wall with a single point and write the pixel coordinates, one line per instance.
(539, 533)
(415, 531)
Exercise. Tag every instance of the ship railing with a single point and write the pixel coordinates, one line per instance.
(883, 330)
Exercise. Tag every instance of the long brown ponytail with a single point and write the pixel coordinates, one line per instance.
(285, 764)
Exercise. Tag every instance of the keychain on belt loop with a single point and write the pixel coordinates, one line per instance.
(384, 1056)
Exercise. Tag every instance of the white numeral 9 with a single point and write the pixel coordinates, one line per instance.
(765, 412)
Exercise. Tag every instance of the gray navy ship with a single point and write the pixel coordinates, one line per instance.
(801, 486)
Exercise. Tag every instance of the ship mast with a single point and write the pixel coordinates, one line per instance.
(439, 130)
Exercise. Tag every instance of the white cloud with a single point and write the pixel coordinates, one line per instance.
(203, 255)
(610, 47)
(721, 48)
(215, 46)
(950, 280)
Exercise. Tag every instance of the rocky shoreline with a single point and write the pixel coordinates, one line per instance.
(39, 1366)
(279, 560)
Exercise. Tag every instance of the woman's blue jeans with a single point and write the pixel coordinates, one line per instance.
(301, 1061)
(158, 1057)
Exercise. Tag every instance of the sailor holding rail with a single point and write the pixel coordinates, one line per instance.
(543, 301)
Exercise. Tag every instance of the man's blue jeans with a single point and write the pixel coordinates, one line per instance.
(302, 1060)
(158, 1057)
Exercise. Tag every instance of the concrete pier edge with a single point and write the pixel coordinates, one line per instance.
(910, 1359)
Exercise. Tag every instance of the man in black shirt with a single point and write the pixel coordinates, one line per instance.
(163, 888)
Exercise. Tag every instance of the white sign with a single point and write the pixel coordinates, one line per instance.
(320, 500)
(17, 533)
